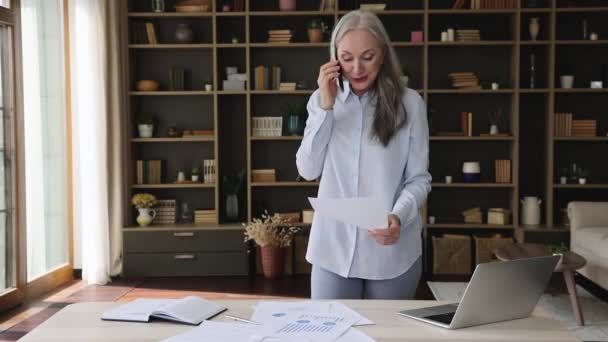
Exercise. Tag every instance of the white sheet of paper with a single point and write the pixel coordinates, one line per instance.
(267, 311)
(318, 327)
(365, 212)
(210, 331)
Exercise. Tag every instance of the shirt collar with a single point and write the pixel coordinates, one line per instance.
(343, 94)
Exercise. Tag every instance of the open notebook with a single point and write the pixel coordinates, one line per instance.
(189, 310)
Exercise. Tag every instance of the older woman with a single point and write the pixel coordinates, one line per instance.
(367, 135)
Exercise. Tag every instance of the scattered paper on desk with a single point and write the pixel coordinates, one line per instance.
(364, 212)
(210, 331)
(267, 311)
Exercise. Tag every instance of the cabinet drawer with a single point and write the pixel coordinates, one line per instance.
(184, 241)
(185, 264)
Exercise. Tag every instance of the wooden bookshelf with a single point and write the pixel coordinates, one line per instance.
(506, 46)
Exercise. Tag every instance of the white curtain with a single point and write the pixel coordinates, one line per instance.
(97, 108)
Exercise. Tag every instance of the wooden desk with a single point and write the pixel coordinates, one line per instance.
(81, 322)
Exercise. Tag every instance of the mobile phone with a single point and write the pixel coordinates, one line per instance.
(339, 70)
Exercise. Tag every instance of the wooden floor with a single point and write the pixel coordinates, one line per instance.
(19, 321)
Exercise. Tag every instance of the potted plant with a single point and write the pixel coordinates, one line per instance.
(563, 175)
(316, 29)
(232, 187)
(145, 125)
(195, 173)
(583, 174)
(272, 234)
(144, 203)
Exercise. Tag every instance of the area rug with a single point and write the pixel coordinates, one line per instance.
(595, 311)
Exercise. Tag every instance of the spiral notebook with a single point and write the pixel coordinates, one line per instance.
(188, 310)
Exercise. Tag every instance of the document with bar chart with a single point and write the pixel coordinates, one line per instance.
(316, 327)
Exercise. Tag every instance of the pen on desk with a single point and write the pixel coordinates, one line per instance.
(240, 319)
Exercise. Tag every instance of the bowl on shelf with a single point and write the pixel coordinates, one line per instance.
(471, 172)
(147, 85)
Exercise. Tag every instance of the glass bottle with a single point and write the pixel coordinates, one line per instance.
(158, 5)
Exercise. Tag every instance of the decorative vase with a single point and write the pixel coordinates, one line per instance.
(294, 125)
(493, 129)
(563, 180)
(232, 207)
(145, 130)
(158, 6)
(582, 181)
(530, 206)
(471, 172)
(567, 81)
(287, 5)
(534, 28)
(194, 178)
(272, 261)
(146, 216)
(184, 34)
(315, 35)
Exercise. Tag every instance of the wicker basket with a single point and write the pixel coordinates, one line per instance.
(452, 254)
(485, 247)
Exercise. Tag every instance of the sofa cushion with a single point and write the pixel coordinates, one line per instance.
(594, 240)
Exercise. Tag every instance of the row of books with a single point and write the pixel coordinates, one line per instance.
(502, 170)
(565, 126)
(209, 171)
(148, 171)
(267, 78)
(466, 122)
(463, 35)
(143, 33)
(484, 4)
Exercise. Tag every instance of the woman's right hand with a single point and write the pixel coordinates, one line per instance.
(328, 74)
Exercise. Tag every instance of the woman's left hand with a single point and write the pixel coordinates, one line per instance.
(390, 235)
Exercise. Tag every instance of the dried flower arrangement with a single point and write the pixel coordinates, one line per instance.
(143, 200)
(270, 231)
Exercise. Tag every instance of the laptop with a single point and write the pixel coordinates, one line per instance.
(498, 291)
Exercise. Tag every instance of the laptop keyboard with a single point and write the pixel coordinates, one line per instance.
(443, 318)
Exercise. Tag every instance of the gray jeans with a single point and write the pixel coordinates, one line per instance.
(328, 285)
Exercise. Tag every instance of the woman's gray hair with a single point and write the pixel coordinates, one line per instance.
(390, 113)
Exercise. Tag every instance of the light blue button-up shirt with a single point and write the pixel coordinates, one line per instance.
(337, 145)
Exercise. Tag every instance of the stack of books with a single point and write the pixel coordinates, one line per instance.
(563, 125)
(165, 212)
(584, 128)
(467, 35)
(279, 36)
(472, 215)
(205, 216)
(502, 170)
(464, 80)
(287, 86)
(267, 126)
(466, 122)
(148, 171)
(209, 171)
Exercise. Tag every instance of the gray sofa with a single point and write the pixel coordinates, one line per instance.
(589, 238)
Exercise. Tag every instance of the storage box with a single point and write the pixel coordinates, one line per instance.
(237, 77)
(263, 175)
(452, 254)
(485, 247)
(267, 126)
(234, 85)
(499, 216)
(307, 215)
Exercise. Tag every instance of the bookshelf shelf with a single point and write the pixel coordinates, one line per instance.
(284, 184)
(184, 227)
(393, 12)
(470, 91)
(582, 10)
(473, 43)
(174, 186)
(281, 138)
(231, 14)
(468, 226)
(174, 140)
(471, 11)
(231, 45)
(472, 185)
(170, 15)
(534, 90)
(580, 139)
(535, 42)
(462, 138)
(535, 10)
(289, 45)
(172, 93)
(582, 90)
(588, 186)
(582, 42)
(279, 92)
(170, 46)
(289, 13)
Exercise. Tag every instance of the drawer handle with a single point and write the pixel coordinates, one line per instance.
(184, 257)
(186, 234)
